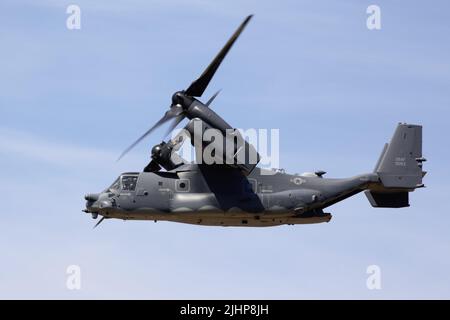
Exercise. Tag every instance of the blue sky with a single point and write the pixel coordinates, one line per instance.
(71, 101)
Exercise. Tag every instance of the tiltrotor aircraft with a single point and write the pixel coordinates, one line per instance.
(236, 192)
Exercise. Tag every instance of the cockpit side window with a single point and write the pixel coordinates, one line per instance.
(129, 183)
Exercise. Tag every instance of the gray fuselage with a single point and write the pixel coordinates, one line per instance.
(223, 196)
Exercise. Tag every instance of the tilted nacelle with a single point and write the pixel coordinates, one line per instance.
(214, 140)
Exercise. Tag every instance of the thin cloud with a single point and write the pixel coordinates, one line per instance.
(24, 145)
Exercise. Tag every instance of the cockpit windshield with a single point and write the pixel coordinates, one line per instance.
(115, 185)
(129, 182)
(124, 182)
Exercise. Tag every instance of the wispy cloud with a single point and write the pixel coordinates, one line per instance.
(25, 145)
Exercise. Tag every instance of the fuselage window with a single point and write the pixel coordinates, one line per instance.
(129, 183)
(182, 185)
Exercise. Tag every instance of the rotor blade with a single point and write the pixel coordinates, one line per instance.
(167, 116)
(197, 87)
(212, 98)
(101, 220)
(174, 123)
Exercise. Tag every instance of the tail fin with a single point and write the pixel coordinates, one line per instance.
(400, 165)
(399, 168)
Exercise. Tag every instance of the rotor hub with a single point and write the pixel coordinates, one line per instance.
(156, 150)
(178, 98)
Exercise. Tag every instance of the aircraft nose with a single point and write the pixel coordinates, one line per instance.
(96, 201)
(91, 197)
(91, 205)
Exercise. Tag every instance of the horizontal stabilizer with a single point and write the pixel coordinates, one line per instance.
(388, 199)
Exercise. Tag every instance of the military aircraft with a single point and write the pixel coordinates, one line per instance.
(236, 192)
